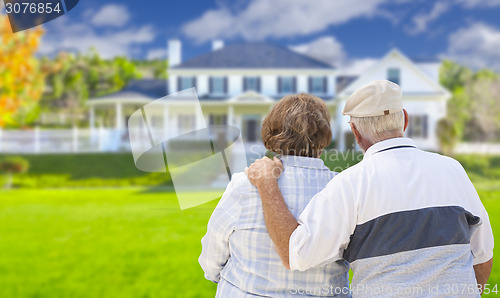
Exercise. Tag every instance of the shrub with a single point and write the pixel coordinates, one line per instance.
(13, 165)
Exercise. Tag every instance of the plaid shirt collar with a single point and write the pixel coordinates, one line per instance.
(302, 162)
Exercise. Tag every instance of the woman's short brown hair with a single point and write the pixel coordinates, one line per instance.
(299, 124)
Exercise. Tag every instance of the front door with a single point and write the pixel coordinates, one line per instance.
(251, 130)
(251, 127)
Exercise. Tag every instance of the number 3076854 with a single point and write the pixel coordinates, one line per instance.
(27, 7)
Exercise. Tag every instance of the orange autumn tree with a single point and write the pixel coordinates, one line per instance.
(21, 81)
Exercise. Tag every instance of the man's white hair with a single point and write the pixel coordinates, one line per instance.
(378, 128)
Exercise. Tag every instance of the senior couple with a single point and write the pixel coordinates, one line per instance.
(407, 222)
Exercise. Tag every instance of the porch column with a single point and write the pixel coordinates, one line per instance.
(341, 139)
(119, 116)
(166, 122)
(92, 120)
(198, 117)
(230, 115)
(334, 131)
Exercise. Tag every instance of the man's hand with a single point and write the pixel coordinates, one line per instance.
(280, 223)
(264, 171)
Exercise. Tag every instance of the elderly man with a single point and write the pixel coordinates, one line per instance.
(409, 222)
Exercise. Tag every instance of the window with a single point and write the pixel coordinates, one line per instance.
(251, 83)
(393, 75)
(186, 83)
(286, 85)
(186, 123)
(218, 85)
(217, 120)
(417, 128)
(318, 85)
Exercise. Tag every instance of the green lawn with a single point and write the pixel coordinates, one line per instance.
(112, 243)
(100, 243)
(127, 242)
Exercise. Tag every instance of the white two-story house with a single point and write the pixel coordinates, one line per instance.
(237, 85)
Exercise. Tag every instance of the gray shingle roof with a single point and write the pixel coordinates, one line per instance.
(343, 82)
(253, 55)
(144, 88)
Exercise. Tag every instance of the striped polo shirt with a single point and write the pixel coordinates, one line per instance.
(409, 222)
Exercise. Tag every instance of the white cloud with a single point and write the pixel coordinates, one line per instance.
(113, 15)
(159, 53)
(326, 49)
(262, 19)
(476, 46)
(330, 50)
(356, 67)
(64, 35)
(479, 3)
(422, 20)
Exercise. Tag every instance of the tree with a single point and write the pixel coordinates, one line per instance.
(453, 75)
(450, 130)
(473, 110)
(72, 79)
(447, 135)
(13, 165)
(484, 124)
(21, 81)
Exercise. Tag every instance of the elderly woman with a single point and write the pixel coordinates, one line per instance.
(237, 251)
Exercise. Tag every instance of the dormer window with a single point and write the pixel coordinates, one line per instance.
(394, 75)
(186, 83)
(317, 85)
(218, 85)
(286, 85)
(251, 83)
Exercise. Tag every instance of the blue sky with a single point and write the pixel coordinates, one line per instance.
(347, 33)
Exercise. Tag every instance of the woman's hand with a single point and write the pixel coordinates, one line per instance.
(264, 171)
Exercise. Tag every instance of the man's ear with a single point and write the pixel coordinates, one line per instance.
(407, 119)
(356, 133)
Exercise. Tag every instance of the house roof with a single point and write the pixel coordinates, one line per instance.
(426, 59)
(367, 76)
(140, 89)
(343, 81)
(253, 55)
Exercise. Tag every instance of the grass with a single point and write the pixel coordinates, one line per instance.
(127, 242)
(113, 243)
(100, 243)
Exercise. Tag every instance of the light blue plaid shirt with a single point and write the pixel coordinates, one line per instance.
(238, 253)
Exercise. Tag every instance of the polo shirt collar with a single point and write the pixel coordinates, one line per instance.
(388, 144)
(302, 162)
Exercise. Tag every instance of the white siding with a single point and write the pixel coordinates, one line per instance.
(431, 69)
(302, 83)
(269, 85)
(172, 83)
(235, 85)
(331, 86)
(202, 85)
(410, 80)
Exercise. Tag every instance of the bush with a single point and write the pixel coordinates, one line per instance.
(13, 165)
